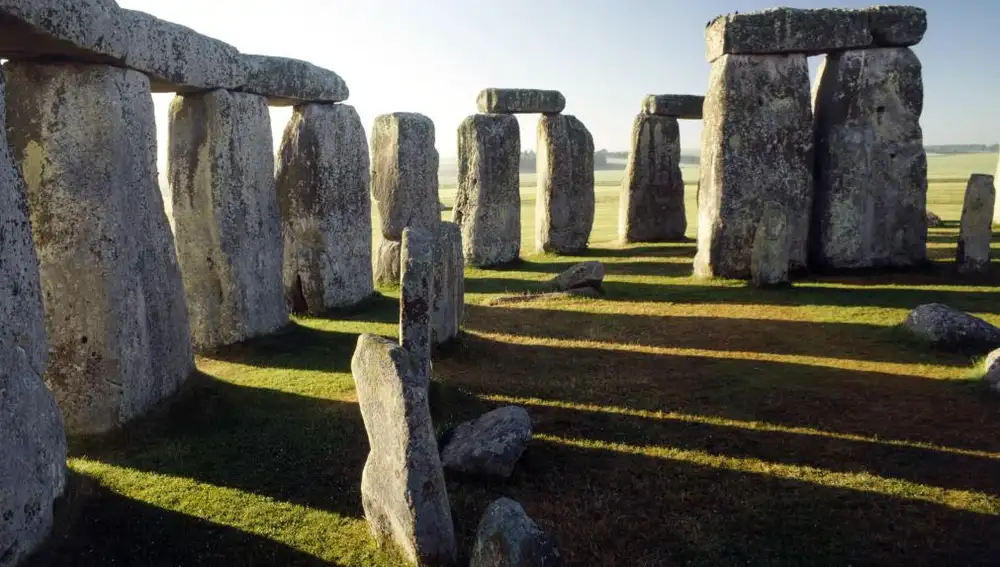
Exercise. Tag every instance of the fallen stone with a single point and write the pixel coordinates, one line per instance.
(564, 211)
(386, 262)
(934, 221)
(33, 449)
(787, 30)
(507, 537)
(404, 176)
(769, 259)
(115, 315)
(973, 254)
(870, 204)
(403, 490)
(520, 101)
(227, 222)
(322, 181)
(675, 106)
(896, 26)
(756, 153)
(416, 296)
(489, 445)
(488, 203)
(947, 328)
(287, 82)
(992, 367)
(585, 291)
(651, 205)
(448, 303)
(583, 274)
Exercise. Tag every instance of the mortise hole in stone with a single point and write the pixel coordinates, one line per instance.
(83, 340)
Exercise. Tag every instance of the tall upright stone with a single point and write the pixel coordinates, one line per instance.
(448, 302)
(32, 439)
(226, 216)
(564, 209)
(322, 181)
(756, 155)
(488, 204)
(404, 181)
(115, 313)
(403, 489)
(973, 254)
(871, 168)
(651, 205)
(996, 204)
(416, 295)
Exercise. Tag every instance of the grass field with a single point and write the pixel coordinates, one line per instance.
(678, 422)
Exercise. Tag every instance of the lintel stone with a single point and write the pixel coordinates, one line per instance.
(520, 101)
(673, 105)
(787, 30)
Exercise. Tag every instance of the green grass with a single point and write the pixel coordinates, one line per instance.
(678, 422)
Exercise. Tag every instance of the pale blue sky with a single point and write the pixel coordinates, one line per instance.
(433, 56)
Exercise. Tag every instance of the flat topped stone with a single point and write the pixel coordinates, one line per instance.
(288, 82)
(520, 101)
(897, 26)
(787, 30)
(674, 105)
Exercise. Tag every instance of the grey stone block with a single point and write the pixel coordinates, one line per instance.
(564, 210)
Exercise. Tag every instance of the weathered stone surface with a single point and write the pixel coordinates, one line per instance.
(402, 486)
(416, 295)
(992, 370)
(288, 82)
(488, 203)
(32, 454)
(934, 221)
(115, 312)
(769, 259)
(322, 181)
(996, 204)
(489, 445)
(651, 205)
(583, 274)
(564, 211)
(947, 328)
(896, 26)
(227, 222)
(404, 173)
(871, 169)
(674, 105)
(756, 152)
(507, 537)
(973, 254)
(520, 101)
(448, 303)
(787, 30)
(386, 262)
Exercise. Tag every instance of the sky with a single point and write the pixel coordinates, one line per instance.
(434, 56)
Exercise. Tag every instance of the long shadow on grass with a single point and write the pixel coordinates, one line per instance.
(608, 508)
(97, 527)
(292, 448)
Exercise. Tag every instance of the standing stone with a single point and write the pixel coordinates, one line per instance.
(756, 155)
(520, 101)
(973, 255)
(32, 440)
(564, 210)
(488, 204)
(651, 206)
(322, 182)
(871, 168)
(769, 258)
(404, 181)
(115, 314)
(402, 485)
(386, 262)
(226, 217)
(448, 303)
(996, 203)
(416, 295)
(507, 537)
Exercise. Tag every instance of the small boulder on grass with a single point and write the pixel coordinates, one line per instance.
(951, 329)
(507, 537)
(489, 445)
(585, 274)
(933, 221)
(992, 365)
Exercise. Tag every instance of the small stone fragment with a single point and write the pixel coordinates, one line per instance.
(992, 368)
(488, 203)
(787, 30)
(448, 304)
(947, 328)
(973, 254)
(403, 490)
(897, 26)
(584, 274)
(287, 82)
(934, 221)
(688, 107)
(564, 209)
(651, 205)
(520, 101)
(507, 537)
(489, 445)
(416, 295)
